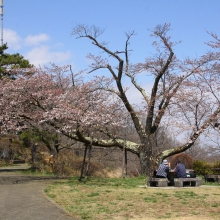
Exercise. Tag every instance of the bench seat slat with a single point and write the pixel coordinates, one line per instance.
(180, 182)
(212, 178)
(160, 182)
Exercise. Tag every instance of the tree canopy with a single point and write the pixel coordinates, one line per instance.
(11, 62)
(184, 98)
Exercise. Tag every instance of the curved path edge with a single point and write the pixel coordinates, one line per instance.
(23, 198)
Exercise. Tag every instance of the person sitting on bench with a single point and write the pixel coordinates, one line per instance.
(163, 169)
(180, 170)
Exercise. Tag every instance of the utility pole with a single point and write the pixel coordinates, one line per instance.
(1, 13)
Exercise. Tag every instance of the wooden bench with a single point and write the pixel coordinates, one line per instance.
(212, 178)
(181, 182)
(18, 161)
(157, 182)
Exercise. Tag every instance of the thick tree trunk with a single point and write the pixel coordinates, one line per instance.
(147, 161)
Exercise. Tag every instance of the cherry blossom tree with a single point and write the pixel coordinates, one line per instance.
(184, 98)
(184, 93)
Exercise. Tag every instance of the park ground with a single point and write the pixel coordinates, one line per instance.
(102, 198)
(22, 196)
(130, 199)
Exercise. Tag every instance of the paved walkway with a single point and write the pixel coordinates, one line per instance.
(22, 198)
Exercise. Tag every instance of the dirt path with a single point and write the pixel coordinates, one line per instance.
(22, 198)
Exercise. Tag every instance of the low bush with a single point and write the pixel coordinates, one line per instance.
(204, 168)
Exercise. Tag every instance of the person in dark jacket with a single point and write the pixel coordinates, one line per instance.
(180, 170)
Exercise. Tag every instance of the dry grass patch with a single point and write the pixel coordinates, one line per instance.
(123, 199)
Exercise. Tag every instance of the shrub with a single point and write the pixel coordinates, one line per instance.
(202, 167)
(216, 167)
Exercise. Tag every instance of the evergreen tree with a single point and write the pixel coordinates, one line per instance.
(11, 62)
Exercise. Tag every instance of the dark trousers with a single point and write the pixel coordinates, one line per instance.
(160, 176)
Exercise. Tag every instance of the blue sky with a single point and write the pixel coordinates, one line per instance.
(40, 30)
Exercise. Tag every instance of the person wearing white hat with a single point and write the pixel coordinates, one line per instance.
(163, 169)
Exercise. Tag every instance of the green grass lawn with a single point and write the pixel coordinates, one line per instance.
(129, 198)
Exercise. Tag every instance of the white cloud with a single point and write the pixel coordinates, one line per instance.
(36, 39)
(37, 52)
(42, 55)
(12, 39)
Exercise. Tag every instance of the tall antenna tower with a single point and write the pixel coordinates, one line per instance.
(1, 13)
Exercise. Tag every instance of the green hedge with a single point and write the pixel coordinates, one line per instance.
(203, 168)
